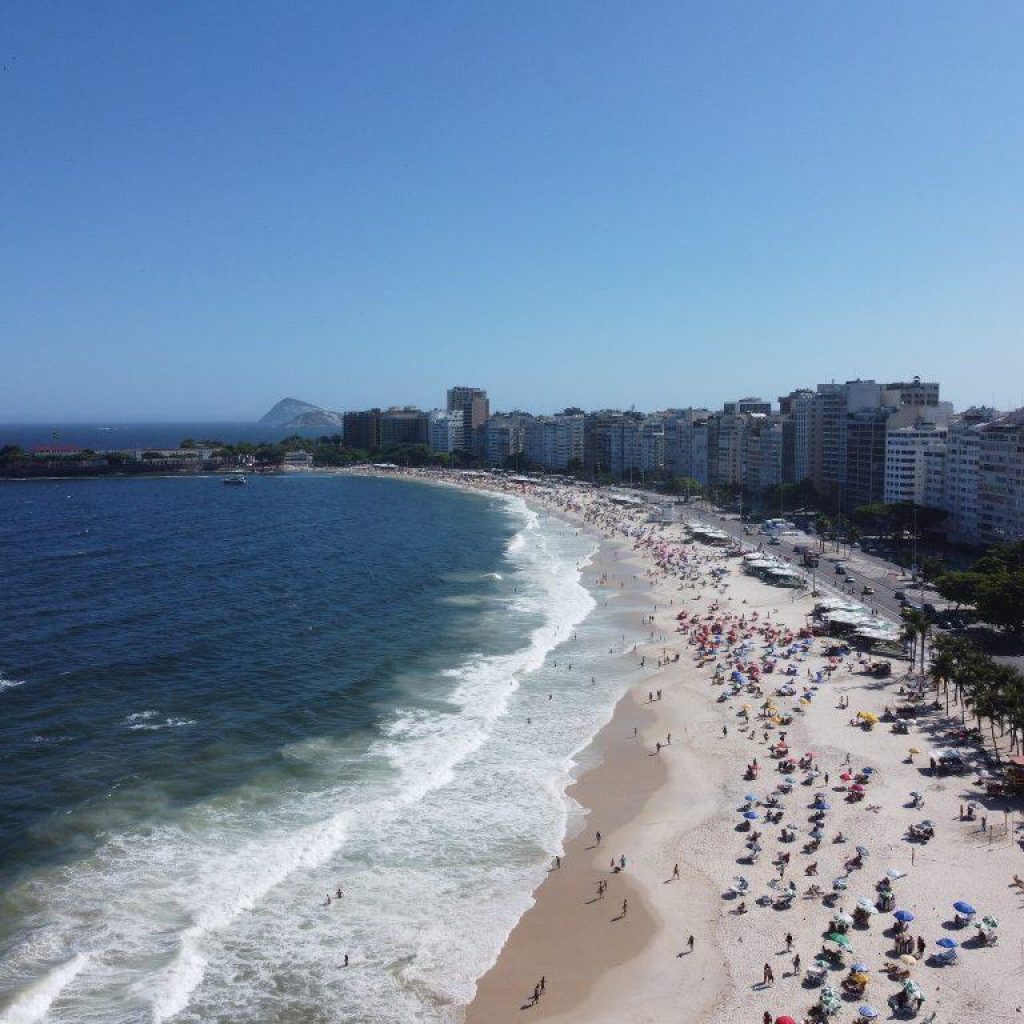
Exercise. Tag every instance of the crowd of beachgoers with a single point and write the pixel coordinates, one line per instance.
(840, 856)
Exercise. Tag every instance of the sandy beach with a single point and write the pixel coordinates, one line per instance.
(682, 806)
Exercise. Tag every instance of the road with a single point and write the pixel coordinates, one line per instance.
(865, 569)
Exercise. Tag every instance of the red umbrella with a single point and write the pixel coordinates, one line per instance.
(857, 788)
(784, 1020)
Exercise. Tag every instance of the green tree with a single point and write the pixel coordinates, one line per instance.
(999, 599)
(959, 587)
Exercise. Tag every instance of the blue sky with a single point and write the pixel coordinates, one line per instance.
(209, 206)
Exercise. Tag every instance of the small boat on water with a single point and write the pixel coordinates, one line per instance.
(235, 480)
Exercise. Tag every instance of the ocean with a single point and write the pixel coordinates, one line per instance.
(116, 436)
(218, 705)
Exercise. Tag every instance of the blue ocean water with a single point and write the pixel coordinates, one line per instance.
(218, 704)
(114, 436)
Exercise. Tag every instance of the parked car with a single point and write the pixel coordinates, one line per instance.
(850, 579)
(867, 590)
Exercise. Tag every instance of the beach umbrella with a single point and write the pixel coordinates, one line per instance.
(947, 943)
(790, 779)
(866, 905)
(863, 851)
(860, 967)
(910, 961)
(867, 771)
(911, 988)
(846, 776)
(857, 788)
(904, 915)
(839, 884)
(894, 873)
(751, 815)
(841, 918)
(784, 1020)
(990, 922)
(838, 939)
(867, 1012)
(816, 833)
(823, 805)
(750, 798)
(963, 908)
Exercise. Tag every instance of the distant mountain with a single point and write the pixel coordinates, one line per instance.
(286, 410)
(315, 418)
(291, 414)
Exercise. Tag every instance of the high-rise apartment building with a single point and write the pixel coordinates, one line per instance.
(445, 431)
(908, 469)
(403, 428)
(475, 409)
(553, 442)
(1001, 479)
(362, 429)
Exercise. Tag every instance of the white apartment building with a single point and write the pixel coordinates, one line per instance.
(906, 449)
(552, 442)
(1001, 479)
(963, 449)
(446, 431)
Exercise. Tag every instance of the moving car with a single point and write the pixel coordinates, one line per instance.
(867, 590)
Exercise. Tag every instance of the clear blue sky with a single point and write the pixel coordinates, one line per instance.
(209, 206)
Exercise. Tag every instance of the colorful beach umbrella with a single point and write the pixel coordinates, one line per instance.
(867, 1012)
(751, 815)
(947, 943)
(838, 939)
(784, 1020)
(860, 967)
(904, 915)
(963, 908)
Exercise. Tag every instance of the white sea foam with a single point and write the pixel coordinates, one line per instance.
(10, 684)
(437, 830)
(34, 1002)
(149, 721)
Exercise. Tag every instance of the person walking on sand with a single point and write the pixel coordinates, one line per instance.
(796, 964)
(789, 943)
(675, 875)
(345, 964)
(597, 838)
(543, 983)
(625, 907)
(689, 943)
(765, 974)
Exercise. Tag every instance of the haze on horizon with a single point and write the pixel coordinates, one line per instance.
(210, 207)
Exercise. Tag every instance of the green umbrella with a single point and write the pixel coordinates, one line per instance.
(839, 939)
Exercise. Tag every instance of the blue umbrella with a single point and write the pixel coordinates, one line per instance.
(860, 966)
(947, 943)
(963, 908)
(868, 1012)
(750, 798)
(823, 805)
(751, 815)
(867, 771)
(904, 915)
